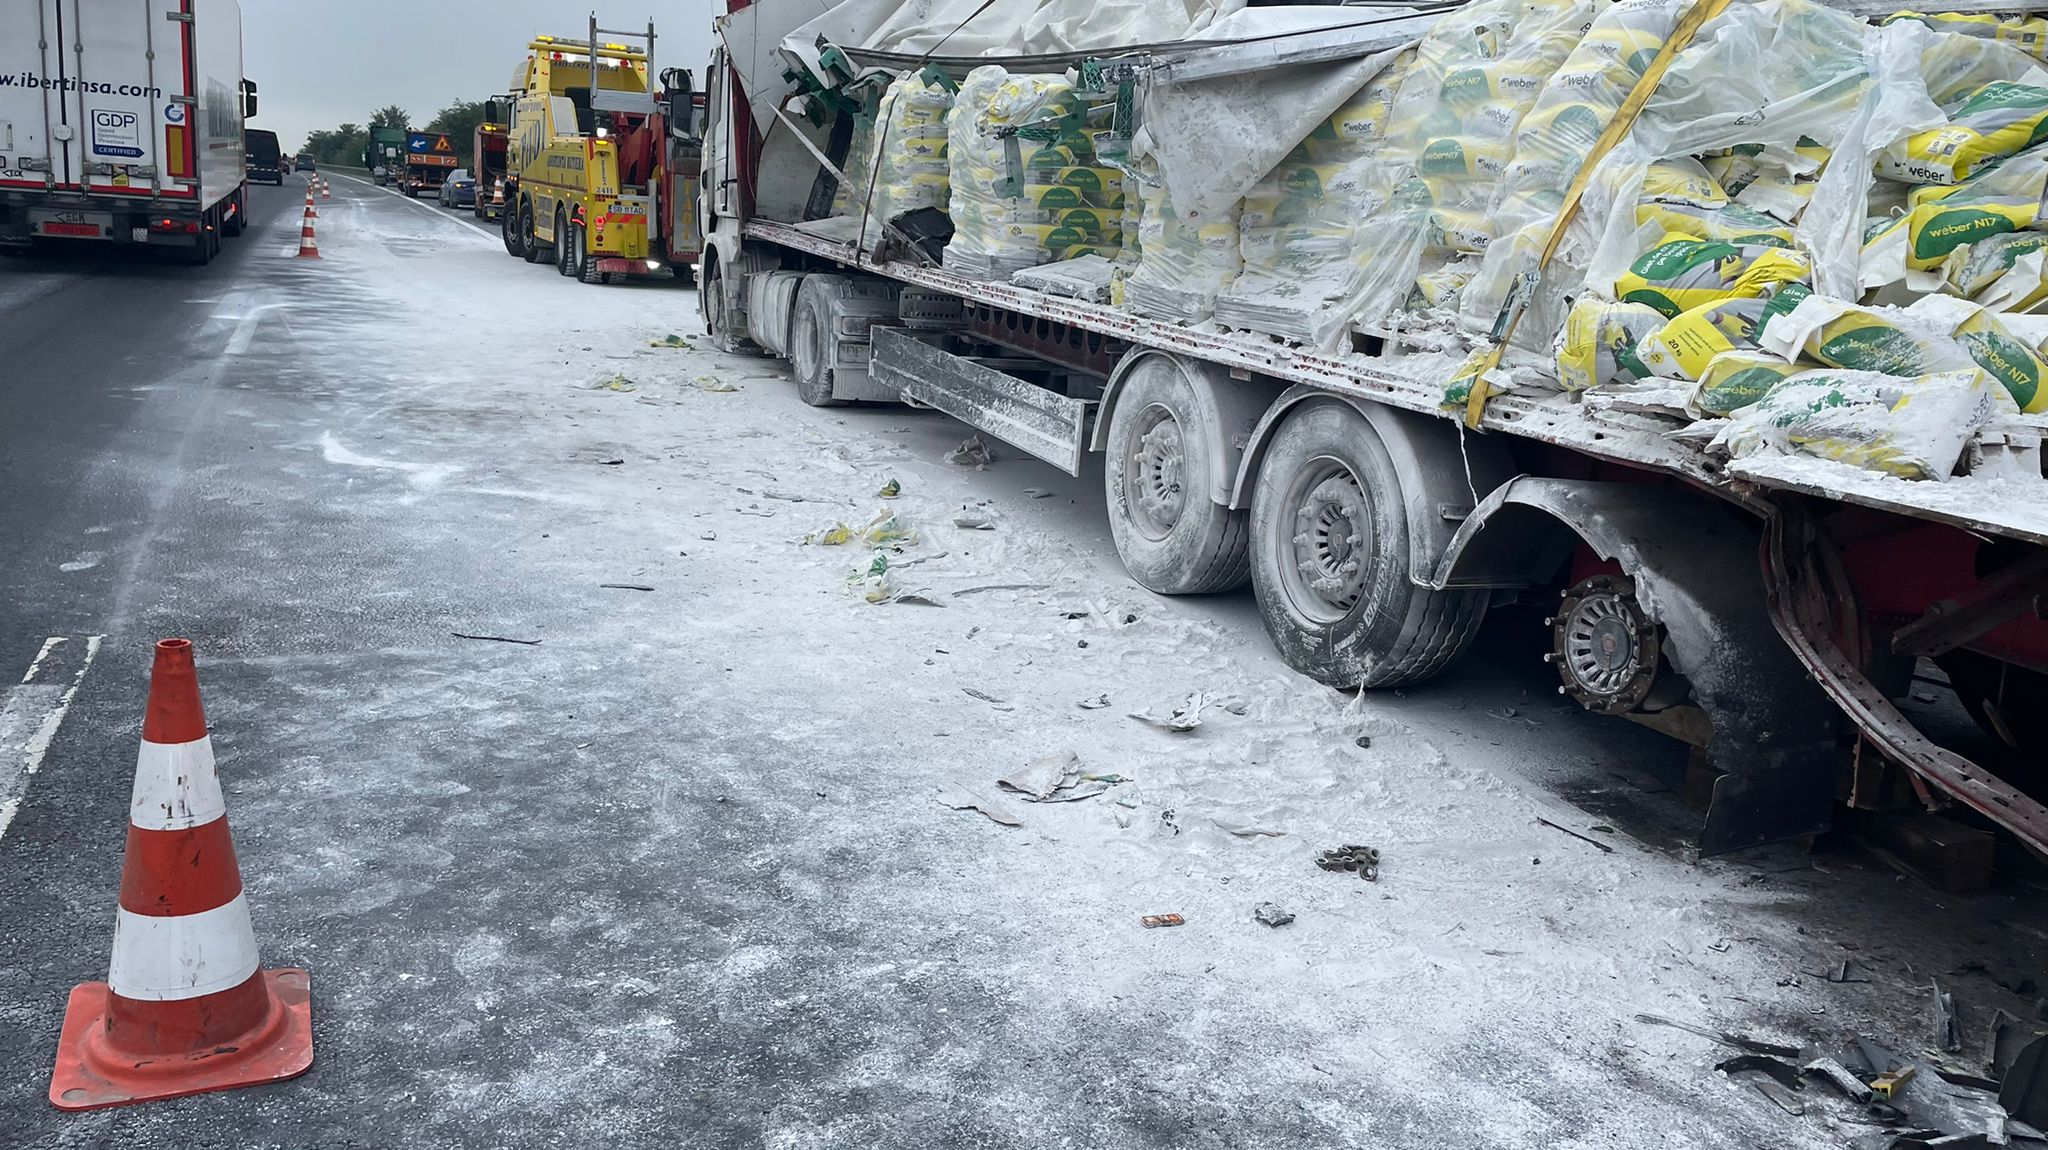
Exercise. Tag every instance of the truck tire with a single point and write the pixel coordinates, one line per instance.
(238, 221)
(508, 230)
(565, 246)
(586, 264)
(1172, 537)
(1331, 559)
(530, 248)
(812, 342)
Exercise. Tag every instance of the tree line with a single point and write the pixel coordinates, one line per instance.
(344, 145)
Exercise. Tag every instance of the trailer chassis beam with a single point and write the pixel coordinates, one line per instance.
(1802, 585)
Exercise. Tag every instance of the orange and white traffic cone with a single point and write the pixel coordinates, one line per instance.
(309, 201)
(186, 1007)
(324, 192)
(308, 248)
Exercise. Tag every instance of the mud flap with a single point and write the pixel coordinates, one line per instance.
(1698, 571)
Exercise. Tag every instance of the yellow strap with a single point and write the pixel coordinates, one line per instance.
(1624, 119)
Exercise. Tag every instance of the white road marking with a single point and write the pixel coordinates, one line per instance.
(33, 710)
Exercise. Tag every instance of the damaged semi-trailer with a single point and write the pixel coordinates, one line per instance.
(1358, 308)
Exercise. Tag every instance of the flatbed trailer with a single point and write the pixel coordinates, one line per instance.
(1766, 610)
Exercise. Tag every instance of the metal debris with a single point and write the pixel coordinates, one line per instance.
(1272, 914)
(1362, 861)
(1152, 920)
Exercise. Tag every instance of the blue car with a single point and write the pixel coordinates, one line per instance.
(458, 190)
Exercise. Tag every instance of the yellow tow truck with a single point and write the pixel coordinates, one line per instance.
(592, 167)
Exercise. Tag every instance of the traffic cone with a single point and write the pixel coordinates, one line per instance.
(324, 193)
(309, 202)
(186, 1007)
(308, 249)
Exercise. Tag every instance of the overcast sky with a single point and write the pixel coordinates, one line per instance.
(318, 65)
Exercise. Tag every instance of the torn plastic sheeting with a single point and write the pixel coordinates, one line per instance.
(1214, 139)
(972, 28)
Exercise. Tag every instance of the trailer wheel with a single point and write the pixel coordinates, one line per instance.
(1172, 537)
(235, 223)
(812, 342)
(1331, 561)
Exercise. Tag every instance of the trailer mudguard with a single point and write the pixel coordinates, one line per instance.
(1698, 572)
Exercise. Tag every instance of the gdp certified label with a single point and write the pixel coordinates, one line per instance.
(116, 134)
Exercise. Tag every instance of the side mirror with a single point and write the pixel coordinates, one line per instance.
(248, 99)
(681, 108)
(494, 111)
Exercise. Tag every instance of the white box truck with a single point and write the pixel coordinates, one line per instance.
(121, 122)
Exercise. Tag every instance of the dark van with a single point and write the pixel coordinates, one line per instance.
(264, 159)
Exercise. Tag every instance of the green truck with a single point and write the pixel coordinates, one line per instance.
(385, 155)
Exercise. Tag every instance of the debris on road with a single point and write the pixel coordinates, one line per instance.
(1152, 920)
(1246, 830)
(627, 586)
(671, 340)
(974, 522)
(1185, 717)
(1272, 914)
(1095, 704)
(1784, 1073)
(891, 489)
(1738, 1041)
(962, 799)
(987, 587)
(617, 382)
(1837, 1075)
(973, 453)
(883, 530)
(497, 639)
(1362, 742)
(1362, 861)
(1055, 779)
(985, 697)
(1948, 1031)
(1038, 493)
(1890, 1082)
(707, 383)
(1605, 847)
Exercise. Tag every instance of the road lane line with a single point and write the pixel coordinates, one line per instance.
(32, 712)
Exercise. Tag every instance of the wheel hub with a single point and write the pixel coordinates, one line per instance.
(1604, 645)
(1157, 490)
(1332, 525)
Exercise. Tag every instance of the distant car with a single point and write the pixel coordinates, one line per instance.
(284, 164)
(304, 163)
(458, 190)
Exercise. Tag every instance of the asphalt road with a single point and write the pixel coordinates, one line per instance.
(670, 872)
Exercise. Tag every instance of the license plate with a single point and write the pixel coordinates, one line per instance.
(90, 225)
